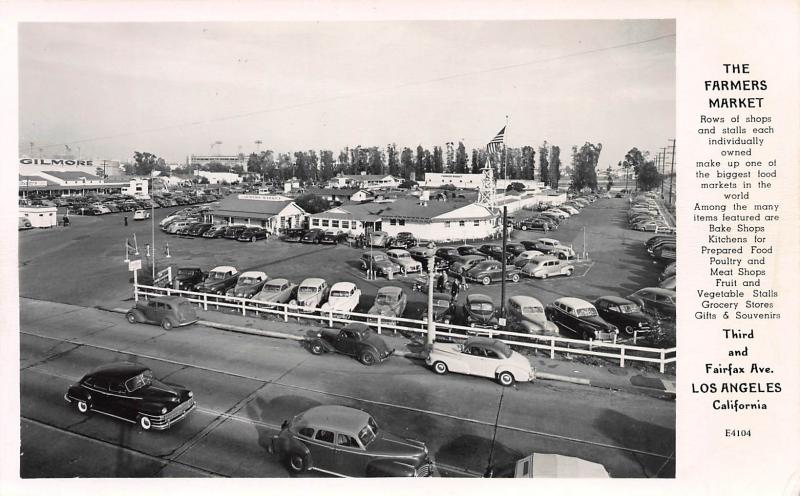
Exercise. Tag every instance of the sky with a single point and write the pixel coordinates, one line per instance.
(174, 89)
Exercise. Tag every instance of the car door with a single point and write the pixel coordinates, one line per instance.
(98, 389)
(323, 449)
(151, 311)
(479, 363)
(346, 342)
(350, 458)
(120, 403)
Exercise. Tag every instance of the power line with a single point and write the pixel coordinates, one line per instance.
(367, 92)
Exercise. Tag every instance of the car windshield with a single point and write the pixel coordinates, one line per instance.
(379, 258)
(441, 303)
(532, 310)
(481, 307)
(403, 255)
(369, 432)
(272, 288)
(185, 272)
(586, 312)
(307, 290)
(139, 381)
(246, 281)
(217, 276)
(339, 293)
(629, 308)
(384, 299)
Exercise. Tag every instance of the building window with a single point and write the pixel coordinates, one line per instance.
(476, 223)
(447, 224)
(315, 222)
(345, 224)
(393, 222)
(324, 222)
(334, 223)
(461, 223)
(402, 222)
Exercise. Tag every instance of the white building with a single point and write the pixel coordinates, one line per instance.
(138, 188)
(218, 177)
(364, 181)
(473, 181)
(40, 216)
(71, 178)
(273, 213)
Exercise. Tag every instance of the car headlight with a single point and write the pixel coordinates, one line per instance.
(191, 394)
(641, 324)
(163, 410)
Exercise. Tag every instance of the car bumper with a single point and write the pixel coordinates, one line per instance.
(180, 412)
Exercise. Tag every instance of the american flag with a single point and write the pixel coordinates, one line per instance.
(493, 145)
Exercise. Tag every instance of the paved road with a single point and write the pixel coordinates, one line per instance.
(246, 385)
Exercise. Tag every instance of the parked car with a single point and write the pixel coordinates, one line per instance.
(527, 257)
(626, 315)
(443, 308)
(532, 223)
(490, 271)
(248, 285)
(404, 260)
(311, 293)
(542, 268)
(652, 241)
(312, 236)
(141, 215)
(186, 278)
(580, 318)
(404, 240)
(669, 271)
(24, 223)
(650, 225)
(390, 301)
(464, 250)
(180, 225)
(515, 248)
(252, 234)
(377, 239)
(657, 301)
(355, 339)
(233, 232)
(166, 311)
(378, 262)
(423, 254)
(292, 235)
(482, 357)
(526, 314)
(277, 291)
(463, 263)
(669, 283)
(554, 247)
(219, 280)
(217, 231)
(343, 297)
(198, 229)
(479, 311)
(549, 466)
(448, 254)
(347, 442)
(333, 237)
(129, 392)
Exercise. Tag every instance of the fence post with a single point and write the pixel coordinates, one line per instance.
(330, 318)
(379, 324)
(135, 292)
(622, 357)
(286, 313)
(552, 347)
(590, 344)
(615, 338)
(661, 365)
(635, 335)
(205, 301)
(244, 307)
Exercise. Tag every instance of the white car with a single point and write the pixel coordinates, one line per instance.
(555, 248)
(561, 214)
(141, 215)
(404, 260)
(483, 357)
(344, 297)
(569, 209)
(311, 293)
(528, 256)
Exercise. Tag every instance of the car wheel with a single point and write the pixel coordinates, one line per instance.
(585, 336)
(253, 239)
(486, 280)
(82, 407)
(166, 324)
(524, 227)
(144, 423)
(514, 277)
(298, 463)
(505, 379)
(440, 368)
(368, 358)
(131, 317)
(562, 256)
(629, 330)
(544, 275)
(316, 349)
(568, 272)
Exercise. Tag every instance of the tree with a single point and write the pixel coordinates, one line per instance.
(517, 187)
(144, 163)
(343, 165)
(475, 167)
(527, 163)
(437, 163)
(584, 163)
(634, 160)
(461, 159)
(648, 177)
(376, 160)
(555, 166)
(326, 165)
(312, 204)
(420, 163)
(312, 165)
(544, 164)
(407, 161)
(392, 159)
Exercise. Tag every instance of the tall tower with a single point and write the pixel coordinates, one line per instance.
(486, 190)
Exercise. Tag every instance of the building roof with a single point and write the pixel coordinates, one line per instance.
(333, 191)
(366, 177)
(72, 175)
(32, 178)
(236, 207)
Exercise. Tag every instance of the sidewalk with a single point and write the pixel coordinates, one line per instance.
(608, 376)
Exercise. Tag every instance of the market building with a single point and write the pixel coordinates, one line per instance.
(364, 181)
(272, 212)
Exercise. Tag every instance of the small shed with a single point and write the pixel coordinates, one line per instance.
(40, 216)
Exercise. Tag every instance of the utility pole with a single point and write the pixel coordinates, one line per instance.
(503, 266)
(431, 336)
(663, 163)
(672, 171)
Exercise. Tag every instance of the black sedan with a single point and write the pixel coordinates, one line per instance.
(313, 236)
(333, 238)
(233, 232)
(129, 392)
(356, 340)
(626, 315)
(580, 317)
(252, 234)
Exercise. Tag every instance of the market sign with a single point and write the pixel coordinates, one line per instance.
(54, 161)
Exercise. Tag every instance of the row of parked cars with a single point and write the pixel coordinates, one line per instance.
(109, 204)
(644, 215)
(551, 217)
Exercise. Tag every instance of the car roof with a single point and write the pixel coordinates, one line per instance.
(616, 300)
(335, 418)
(312, 281)
(253, 273)
(359, 327)
(393, 290)
(119, 370)
(441, 296)
(224, 268)
(495, 345)
(477, 298)
(525, 300)
(345, 286)
(667, 292)
(396, 251)
(277, 282)
(465, 258)
(551, 240)
(574, 302)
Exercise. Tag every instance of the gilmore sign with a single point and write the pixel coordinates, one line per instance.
(54, 161)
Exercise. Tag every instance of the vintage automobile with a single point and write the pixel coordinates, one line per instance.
(549, 466)
(24, 223)
(659, 238)
(233, 232)
(669, 271)
(166, 311)
(580, 318)
(423, 254)
(248, 284)
(490, 250)
(479, 311)
(626, 315)
(390, 301)
(469, 250)
(404, 260)
(141, 215)
(312, 236)
(186, 278)
(481, 357)
(129, 392)
(657, 301)
(377, 239)
(552, 218)
(277, 291)
(558, 213)
(554, 247)
(448, 254)
(403, 240)
(344, 297)
(515, 248)
(178, 225)
(532, 223)
(311, 293)
(219, 280)
(490, 271)
(526, 314)
(292, 235)
(252, 234)
(670, 283)
(343, 441)
(548, 266)
(356, 340)
(528, 256)
(333, 237)
(443, 308)
(199, 229)
(378, 262)
(464, 263)
(217, 231)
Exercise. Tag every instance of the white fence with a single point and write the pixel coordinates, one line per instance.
(551, 344)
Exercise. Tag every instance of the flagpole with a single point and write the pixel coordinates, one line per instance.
(505, 152)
